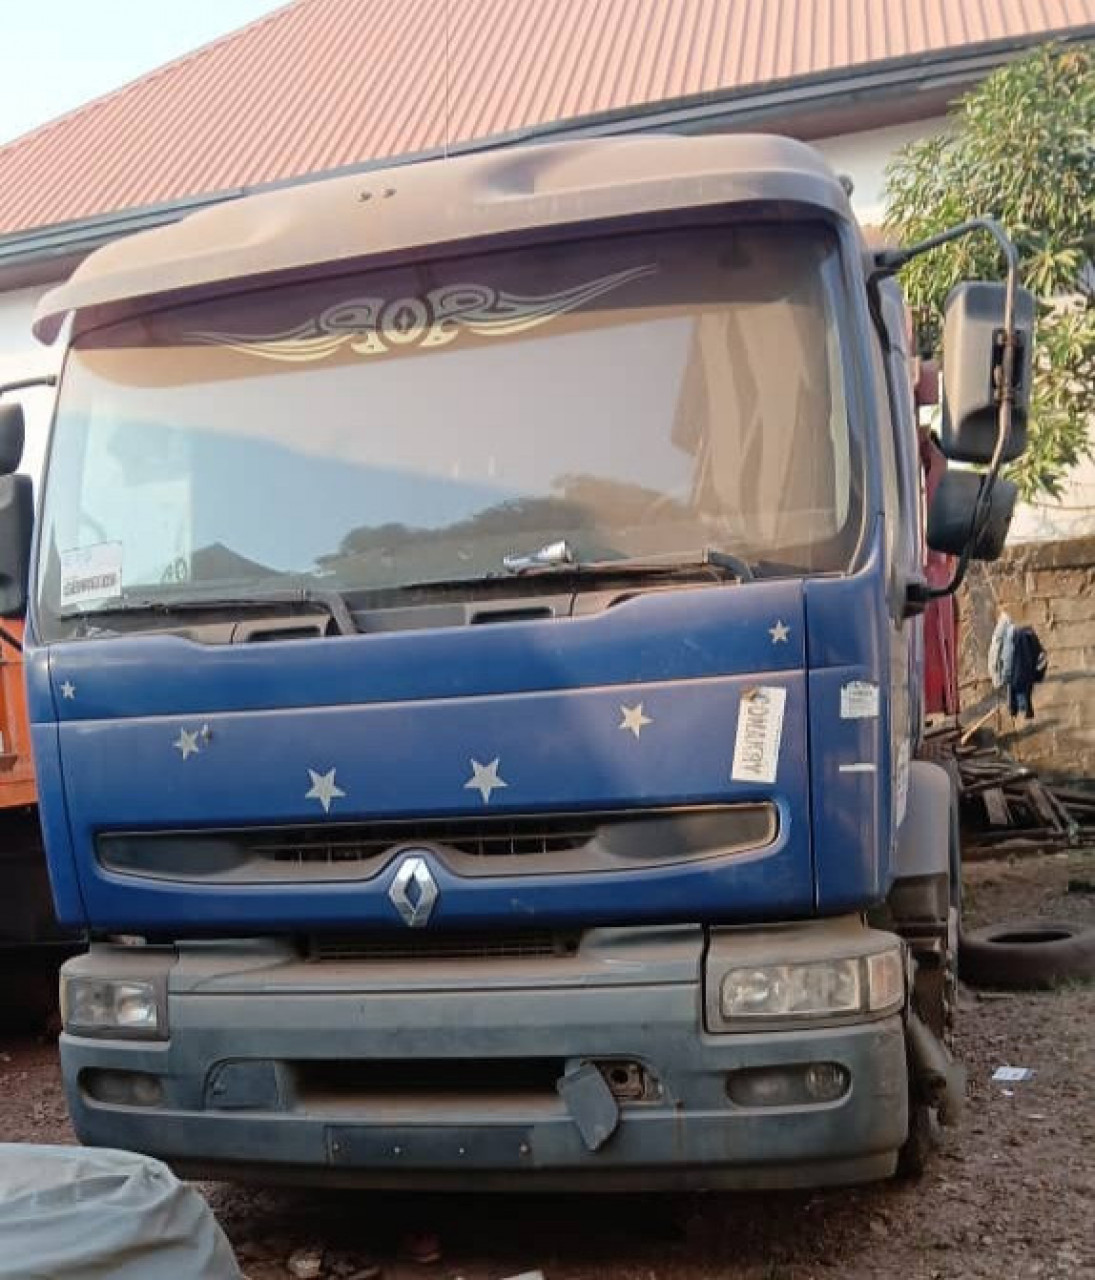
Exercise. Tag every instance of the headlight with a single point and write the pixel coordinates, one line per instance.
(815, 989)
(107, 1006)
(886, 979)
(793, 990)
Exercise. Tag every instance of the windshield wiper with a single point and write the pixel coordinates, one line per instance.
(553, 555)
(723, 564)
(329, 602)
(557, 558)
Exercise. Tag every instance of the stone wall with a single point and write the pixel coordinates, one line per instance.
(1051, 587)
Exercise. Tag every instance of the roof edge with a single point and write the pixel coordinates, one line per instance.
(153, 73)
(695, 113)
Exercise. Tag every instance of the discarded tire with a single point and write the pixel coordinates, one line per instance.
(1028, 955)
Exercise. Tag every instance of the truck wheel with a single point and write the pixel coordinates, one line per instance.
(1029, 955)
(935, 991)
(935, 996)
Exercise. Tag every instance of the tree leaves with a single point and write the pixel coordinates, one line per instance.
(1019, 148)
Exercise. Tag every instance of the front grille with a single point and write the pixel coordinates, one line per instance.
(526, 945)
(477, 838)
(516, 844)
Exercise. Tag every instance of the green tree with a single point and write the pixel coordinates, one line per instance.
(1020, 148)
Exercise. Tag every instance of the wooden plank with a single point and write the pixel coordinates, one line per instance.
(984, 784)
(1038, 834)
(977, 724)
(1041, 803)
(1082, 799)
(1015, 848)
(983, 768)
(996, 807)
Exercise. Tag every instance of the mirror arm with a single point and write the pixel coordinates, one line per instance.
(887, 263)
(21, 384)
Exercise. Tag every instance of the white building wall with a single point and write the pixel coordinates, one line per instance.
(1070, 516)
(864, 157)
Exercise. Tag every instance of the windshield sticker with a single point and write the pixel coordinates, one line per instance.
(859, 700)
(760, 731)
(91, 573)
(375, 326)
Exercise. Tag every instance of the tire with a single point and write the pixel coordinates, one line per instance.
(1027, 955)
(935, 996)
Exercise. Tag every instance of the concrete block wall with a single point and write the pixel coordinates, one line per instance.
(1051, 587)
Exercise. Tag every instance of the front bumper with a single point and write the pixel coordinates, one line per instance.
(440, 1073)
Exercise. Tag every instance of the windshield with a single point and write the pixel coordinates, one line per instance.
(640, 395)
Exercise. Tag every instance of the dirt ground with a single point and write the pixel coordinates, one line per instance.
(1010, 1195)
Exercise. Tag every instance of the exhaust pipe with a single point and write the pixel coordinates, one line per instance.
(941, 1080)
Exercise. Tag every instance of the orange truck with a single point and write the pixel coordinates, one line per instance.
(32, 944)
(17, 794)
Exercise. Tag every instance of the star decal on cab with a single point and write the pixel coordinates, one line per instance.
(485, 779)
(324, 788)
(190, 741)
(186, 744)
(634, 721)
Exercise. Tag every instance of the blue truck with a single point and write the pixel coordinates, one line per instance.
(473, 658)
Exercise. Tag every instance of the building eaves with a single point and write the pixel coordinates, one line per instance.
(801, 105)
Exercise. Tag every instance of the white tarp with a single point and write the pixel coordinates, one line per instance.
(77, 1213)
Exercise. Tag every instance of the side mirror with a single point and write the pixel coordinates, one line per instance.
(950, 515)
(973, 326)
(12, 437)
(16, 527)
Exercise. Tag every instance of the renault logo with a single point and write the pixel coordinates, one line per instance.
(413, 892)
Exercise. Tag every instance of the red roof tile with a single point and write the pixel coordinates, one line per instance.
(324, 83)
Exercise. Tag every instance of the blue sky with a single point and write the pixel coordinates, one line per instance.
(60, 54)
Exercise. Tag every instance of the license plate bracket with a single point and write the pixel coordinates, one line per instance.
(429, 1146)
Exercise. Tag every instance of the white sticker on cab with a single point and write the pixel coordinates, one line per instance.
(901, 784)
(760, 731)
(859, 700)
(91, 573)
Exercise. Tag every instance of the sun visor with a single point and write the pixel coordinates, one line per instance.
(373, 214)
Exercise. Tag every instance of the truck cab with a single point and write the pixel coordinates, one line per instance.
(473, 662)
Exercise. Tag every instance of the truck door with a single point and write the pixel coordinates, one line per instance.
(898, 451)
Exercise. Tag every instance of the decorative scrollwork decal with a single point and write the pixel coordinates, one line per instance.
(374, 326)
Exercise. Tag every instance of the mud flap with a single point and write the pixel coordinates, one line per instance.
(591, 1105)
